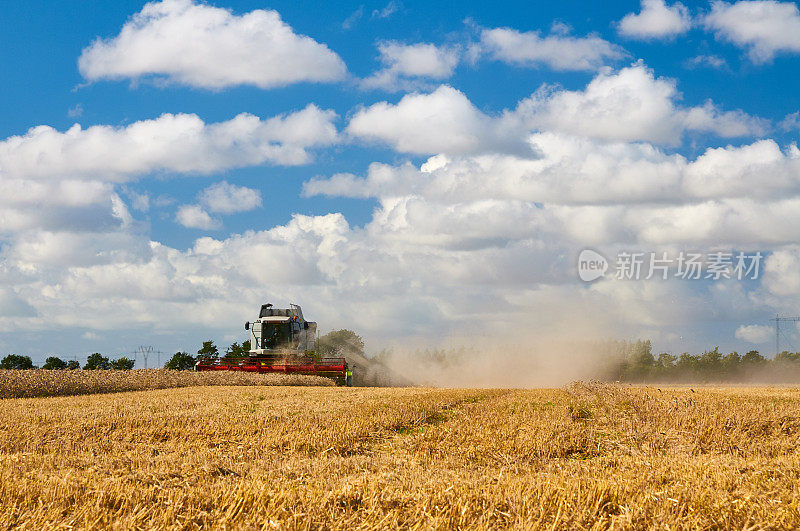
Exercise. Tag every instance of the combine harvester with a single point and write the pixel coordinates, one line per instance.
(282, 341)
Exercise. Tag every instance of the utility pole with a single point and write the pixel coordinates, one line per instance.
(145, 353)
(778, 320)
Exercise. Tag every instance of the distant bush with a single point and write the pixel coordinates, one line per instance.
(16, 362)
(339, 343)
(54, 363)
(633, 361)
(208, 350)
(97, 361)
(123, 364)
(181, 361)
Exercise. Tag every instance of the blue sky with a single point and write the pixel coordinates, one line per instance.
(457, 155)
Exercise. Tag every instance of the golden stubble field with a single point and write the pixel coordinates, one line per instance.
(587, 456)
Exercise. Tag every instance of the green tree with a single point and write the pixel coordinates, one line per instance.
(665, 364)
(340, 342)
(666, 361)
(123, 364)
(54, 363)
(687, 364)
(180, 361)
(73, 365)
(96, 361)
(788, 357)
(731, 363)
(238, 351)
(642, 360)
(208, 350)
(710, 364)
(753, 358)
(16, 361)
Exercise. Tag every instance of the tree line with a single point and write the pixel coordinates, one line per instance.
(634, 361)
(333, 343)
(95, 361)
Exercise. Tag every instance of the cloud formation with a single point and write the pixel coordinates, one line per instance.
(628, 105)
(195, 217)
(633, 105)
(656, 20)
(443, 121)
(226, 198)
(756, 334)
(405, 65)
(171, 143)
(219, 198)
(556, 51)
(494, 218)
(762, 27)
(195, 44)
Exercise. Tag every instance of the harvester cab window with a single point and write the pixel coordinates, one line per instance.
(275, 335)
(268, 311)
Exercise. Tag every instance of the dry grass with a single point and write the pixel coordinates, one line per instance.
(589, 456)
(35, 383)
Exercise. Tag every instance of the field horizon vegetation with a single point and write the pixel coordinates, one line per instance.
(620, 360)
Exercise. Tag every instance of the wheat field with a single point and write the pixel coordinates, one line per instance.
(587, 456)
(34, 383)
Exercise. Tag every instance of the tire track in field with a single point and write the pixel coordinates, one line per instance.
(367, 444)
(405, 432)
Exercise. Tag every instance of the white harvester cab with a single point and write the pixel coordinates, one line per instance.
(279, 330)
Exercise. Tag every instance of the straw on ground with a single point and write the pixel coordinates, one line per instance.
(255, 457)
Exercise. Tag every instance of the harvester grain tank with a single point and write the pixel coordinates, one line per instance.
(282, 341)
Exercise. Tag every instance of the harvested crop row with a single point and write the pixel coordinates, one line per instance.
(37, 383)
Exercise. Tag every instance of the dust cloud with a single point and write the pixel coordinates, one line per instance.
(545, 349)
(549, 363)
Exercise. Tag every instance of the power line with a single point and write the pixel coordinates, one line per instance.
(146, 351)
(778, 331)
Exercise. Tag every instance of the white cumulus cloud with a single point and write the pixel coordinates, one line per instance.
(196, 44)
(194, 217)
(225, 198)
(626, 105)
(791, 122)
(557, 51)
(442, 121)
(656, 20)
(632, 104)
(405, 64)
(756, 334)
(172, 142)
(763, 27)
(493, 219)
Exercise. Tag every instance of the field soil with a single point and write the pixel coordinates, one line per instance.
(586, 456)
